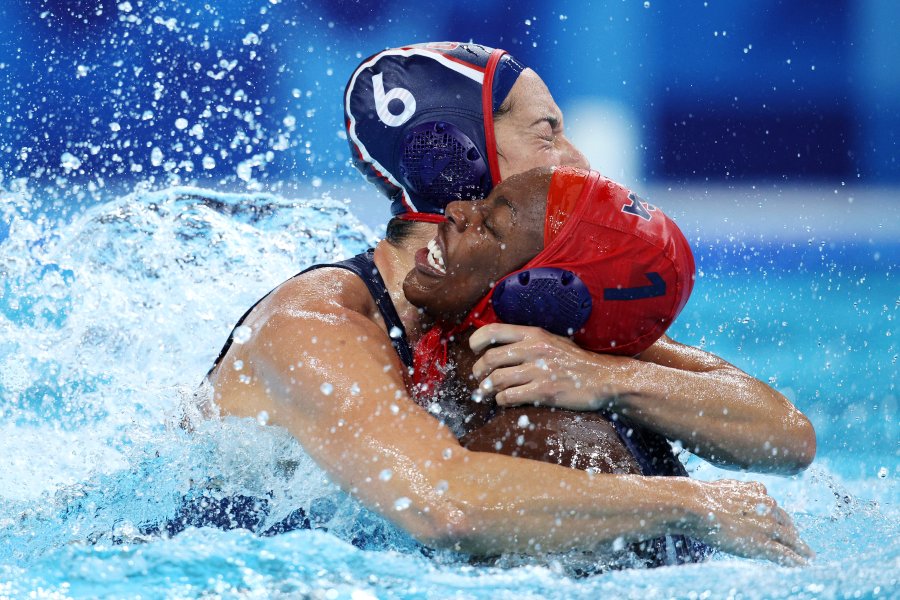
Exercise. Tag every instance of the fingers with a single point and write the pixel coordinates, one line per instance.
(523, 394)
(782, 555)
(498, 358)
(786, 533)
(497, 333)
(503, 379)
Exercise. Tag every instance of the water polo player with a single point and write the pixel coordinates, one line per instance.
(588, 266)
(432, 123)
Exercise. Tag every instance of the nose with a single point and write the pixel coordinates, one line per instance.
(461, 213)
(572, 156)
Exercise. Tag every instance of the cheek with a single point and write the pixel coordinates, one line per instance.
(524, 158)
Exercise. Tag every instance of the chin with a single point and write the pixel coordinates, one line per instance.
(413, 290)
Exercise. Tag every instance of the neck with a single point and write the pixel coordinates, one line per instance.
(394, 261)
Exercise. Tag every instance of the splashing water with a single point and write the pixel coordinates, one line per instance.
(111, 317)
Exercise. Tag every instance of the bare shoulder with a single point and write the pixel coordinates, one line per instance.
(323, 320)
(326, 290)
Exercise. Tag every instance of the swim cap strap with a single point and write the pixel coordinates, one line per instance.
(430, 360)
(422, 217)
(487, 107)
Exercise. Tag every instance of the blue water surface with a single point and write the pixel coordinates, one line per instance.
(111, 316)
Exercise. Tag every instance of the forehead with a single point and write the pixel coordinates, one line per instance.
(530, 95)
(524, 193)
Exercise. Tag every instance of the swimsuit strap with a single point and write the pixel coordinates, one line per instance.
(363, 266)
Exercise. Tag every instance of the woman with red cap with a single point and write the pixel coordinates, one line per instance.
(558, 249)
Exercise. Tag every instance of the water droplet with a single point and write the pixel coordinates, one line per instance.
(262, 418)
(238, 365)
(181, 123)
(402, 503)
(396, 333)
(441, 487)
(326, 388)
(241, 334)
(646, 5)
(448, 453)
(882, 473)
(69, 161)
(523, 421)
(386, 475)
(618, 544)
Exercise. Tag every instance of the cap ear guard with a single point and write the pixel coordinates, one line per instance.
(554, 299)
(439, 163)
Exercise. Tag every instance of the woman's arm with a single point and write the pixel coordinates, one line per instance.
(332, 379)
(713, 408)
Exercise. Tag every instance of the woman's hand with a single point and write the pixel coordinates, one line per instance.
(741, 518)
(528, 365)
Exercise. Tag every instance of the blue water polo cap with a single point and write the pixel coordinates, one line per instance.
(420, 123)
(555, 299)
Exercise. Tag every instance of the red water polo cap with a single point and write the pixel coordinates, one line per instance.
(634, 260)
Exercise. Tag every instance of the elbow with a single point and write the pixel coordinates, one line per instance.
(443, 527)
(806, 443)
(799, 448)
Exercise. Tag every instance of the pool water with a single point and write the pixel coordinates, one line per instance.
(111, 316)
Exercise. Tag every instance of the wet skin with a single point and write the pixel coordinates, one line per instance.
(480, 242)
(532, 134)
(324, 326)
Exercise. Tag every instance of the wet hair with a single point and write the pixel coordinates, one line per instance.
(502, 110)
(399, 230)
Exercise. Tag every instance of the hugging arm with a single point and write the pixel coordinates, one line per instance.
(332, 379)
(713, 408)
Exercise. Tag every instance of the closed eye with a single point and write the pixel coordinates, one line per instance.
(490, 227)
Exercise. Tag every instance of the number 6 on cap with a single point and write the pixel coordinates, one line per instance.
(382, 100)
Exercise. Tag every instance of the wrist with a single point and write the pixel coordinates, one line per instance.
(615, 382)
(694, 510)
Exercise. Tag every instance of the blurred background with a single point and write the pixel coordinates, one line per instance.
(247, 93)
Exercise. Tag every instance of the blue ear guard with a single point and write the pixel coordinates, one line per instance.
(440, 163)
(554, 299)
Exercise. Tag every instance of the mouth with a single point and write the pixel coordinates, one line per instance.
(431, 259)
